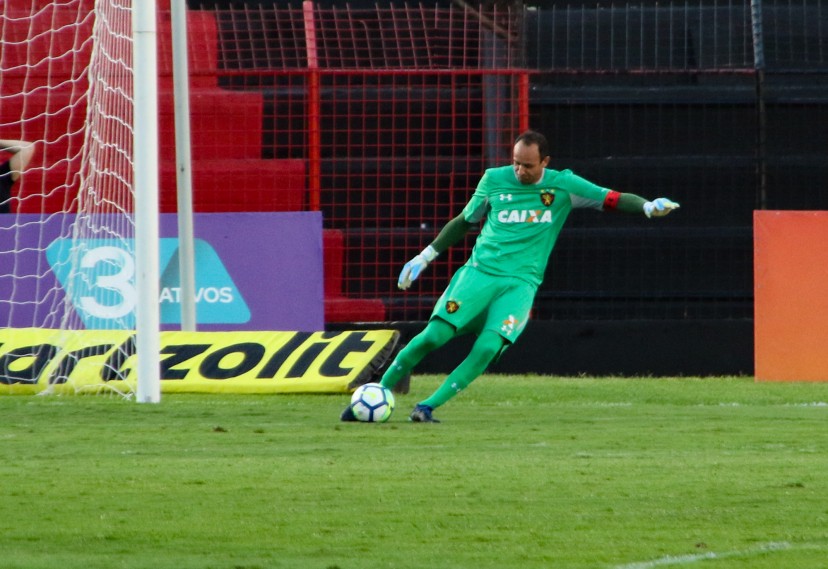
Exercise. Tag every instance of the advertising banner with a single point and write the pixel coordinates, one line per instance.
(253, 271)
(790, 252)
(34, 360)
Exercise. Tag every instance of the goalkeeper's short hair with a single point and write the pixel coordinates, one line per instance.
(530, 137)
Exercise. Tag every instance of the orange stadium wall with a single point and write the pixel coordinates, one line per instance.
(791, 295)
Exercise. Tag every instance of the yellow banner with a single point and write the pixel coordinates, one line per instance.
(70, 361)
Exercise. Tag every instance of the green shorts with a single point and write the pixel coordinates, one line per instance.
(475, 301)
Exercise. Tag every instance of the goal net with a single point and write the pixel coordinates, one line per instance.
(66, 245)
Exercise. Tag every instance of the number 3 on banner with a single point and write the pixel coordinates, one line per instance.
(120, 282)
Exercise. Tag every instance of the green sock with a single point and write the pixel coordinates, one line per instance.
(437, 333)
(485, 349)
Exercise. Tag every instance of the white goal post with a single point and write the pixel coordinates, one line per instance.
(147, 317)
(79, 241)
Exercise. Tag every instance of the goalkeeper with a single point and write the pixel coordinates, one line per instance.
(524, 207)
(11, 169)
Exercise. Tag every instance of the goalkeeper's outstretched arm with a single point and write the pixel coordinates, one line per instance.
(452, 232)
(659, 207)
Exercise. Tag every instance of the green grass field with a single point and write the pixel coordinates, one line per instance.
(523, 472)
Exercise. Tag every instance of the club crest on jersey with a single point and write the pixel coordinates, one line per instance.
(452, 306)
(547, 197)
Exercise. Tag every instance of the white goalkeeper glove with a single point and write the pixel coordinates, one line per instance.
(659, 207)
(415, 266)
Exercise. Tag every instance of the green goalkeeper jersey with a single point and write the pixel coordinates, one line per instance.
(522, 221)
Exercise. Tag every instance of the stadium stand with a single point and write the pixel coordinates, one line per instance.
(228, 170)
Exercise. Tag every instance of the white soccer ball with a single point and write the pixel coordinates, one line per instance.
(372, 403)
